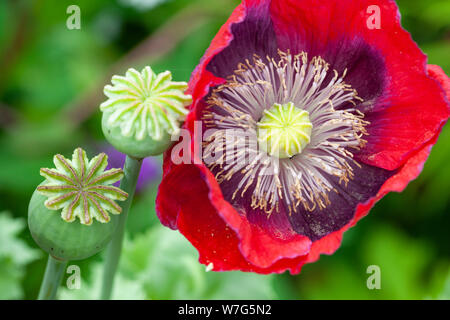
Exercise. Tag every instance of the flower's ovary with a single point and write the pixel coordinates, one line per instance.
(284, 130)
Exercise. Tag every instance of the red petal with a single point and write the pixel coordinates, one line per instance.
(209, 222)
(410, 171)
(411, 109)
(201, 79)
(221, 235)
(440, 77)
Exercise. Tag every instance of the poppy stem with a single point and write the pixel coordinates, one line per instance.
(131, 170)
(52, 278)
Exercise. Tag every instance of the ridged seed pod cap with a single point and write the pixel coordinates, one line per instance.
(69, 213)
(143, 111)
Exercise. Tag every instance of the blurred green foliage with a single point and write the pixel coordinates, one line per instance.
(15, 254)
(161, 264)
(51, 81)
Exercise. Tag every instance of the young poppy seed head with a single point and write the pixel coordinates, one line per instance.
(284, 130)
(143, 110)
(81, 188)
(76, 188)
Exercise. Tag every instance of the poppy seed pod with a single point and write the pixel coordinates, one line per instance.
(76, 189)
(143, 111)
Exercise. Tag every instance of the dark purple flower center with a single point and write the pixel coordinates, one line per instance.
(303, 179)
(314, 192)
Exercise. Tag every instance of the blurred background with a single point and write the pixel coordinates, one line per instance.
(51, 81)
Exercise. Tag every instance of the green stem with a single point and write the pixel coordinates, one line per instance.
(131, 169)
(52, 278)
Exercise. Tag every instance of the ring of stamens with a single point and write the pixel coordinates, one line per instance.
(231, 148)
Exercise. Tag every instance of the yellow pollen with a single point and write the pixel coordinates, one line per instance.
(284, 130)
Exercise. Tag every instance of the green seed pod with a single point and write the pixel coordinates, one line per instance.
(77, 188)
(143, 111)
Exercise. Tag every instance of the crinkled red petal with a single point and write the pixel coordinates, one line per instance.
(411, 109)
(205, 220)
(215, 228)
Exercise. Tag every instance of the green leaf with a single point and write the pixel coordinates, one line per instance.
(161, 264)
(445, 294)
(14, 256)
(90, 288)
(167, 267)
(409, 268)
(402, 260)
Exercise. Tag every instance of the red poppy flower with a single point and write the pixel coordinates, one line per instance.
(351, 111)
